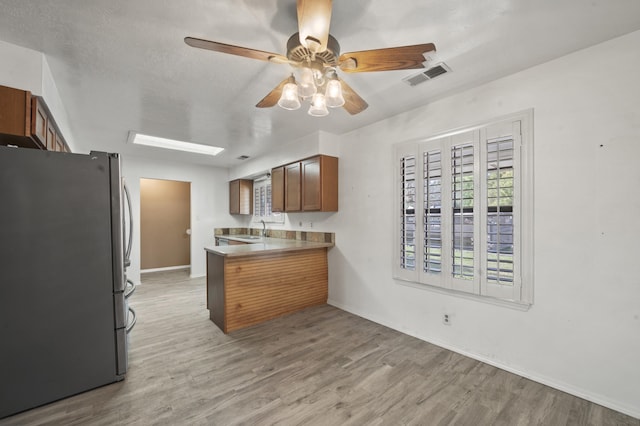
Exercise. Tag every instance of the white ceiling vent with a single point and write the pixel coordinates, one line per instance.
(430, 74)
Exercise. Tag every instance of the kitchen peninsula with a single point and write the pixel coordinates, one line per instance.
(261, 278)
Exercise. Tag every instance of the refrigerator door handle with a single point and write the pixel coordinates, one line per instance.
(132, 288)
(127, 253)
(133, 321)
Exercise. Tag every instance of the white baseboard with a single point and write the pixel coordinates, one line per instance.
(168, 268)
(564, 387)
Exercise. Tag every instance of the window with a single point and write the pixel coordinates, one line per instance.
(262, 202)
(474, 191)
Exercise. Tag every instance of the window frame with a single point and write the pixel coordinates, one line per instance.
(520, 293)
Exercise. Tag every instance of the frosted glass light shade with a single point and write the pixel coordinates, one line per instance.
(307, 88)
(333, 94)
(289, 98)
(318, 106)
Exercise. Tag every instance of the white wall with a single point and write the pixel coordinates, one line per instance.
(209, 204)
(20, 68)
(582, 334)
(307, 146)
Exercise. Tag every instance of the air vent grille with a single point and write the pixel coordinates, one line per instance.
(431, 73)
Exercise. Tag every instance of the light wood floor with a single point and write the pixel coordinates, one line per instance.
(321, 366)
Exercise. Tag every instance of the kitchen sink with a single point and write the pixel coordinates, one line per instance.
(248, 237)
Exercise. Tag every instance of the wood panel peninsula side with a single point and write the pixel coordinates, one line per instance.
(264, 279)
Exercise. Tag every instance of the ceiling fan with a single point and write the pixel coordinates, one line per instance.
(315, 54)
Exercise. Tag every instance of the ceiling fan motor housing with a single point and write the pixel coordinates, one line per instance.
(298, 53)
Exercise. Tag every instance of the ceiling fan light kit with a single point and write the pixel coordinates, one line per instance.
(315, 54)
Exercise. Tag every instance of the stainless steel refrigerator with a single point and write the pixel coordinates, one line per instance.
(65, 238)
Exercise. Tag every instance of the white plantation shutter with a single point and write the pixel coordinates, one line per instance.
(502, 221)
(473, 232)
(406, 240)
(432, 205)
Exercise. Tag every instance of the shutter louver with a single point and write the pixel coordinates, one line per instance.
(408, 221)
(432, 220)
(462, 197)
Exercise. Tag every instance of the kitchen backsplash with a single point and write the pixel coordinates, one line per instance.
(318, 237)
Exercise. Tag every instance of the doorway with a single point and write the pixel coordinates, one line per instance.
(165, 225)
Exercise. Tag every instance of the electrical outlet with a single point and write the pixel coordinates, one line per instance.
(446, 319)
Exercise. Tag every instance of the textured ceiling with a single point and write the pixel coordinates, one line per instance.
(122, 65)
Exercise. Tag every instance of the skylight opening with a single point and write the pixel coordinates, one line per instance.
(157, 142)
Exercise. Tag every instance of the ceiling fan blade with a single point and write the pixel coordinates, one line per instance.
(353, 103)
(274, 96)
(393, 58)
(235, 50)
(314, 18)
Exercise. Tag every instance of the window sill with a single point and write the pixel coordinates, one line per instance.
(512, 304)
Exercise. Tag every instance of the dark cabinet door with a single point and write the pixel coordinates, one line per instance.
(292, 187)
(234, 197)
(277, 189)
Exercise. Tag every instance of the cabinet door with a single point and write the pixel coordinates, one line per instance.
(15, 112)
(240, 196)
(59, 143)
(51, 137)
(311, 185)
(292, 187)
(246, 196)
(234, 197)
(277, 189)
(320, 184)
(39, 122)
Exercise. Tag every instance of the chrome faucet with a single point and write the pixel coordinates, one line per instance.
(264, 228)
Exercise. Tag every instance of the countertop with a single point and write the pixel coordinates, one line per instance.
(262, 245)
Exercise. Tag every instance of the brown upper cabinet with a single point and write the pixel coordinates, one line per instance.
(320, 184)
(307, 185)
(277, 189)
(240, 196)
(25, 121)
